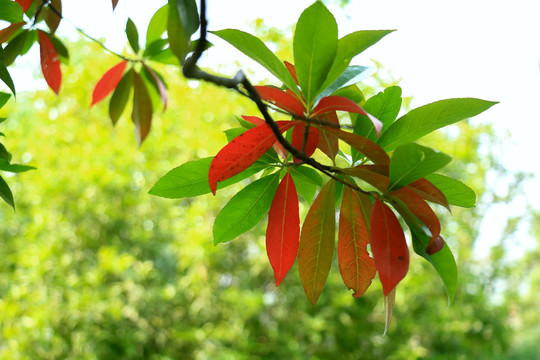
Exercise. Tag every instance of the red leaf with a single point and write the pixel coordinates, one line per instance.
(277, 146)
(283, 231)
(114, 3)
(427, 191)
(368, 174)
(243, 151)
(317, 243)
(328, 143)
(298, 139)
(356, 266)
(281, 99)
(160, 86)
(5, 34)
(340, 103)
(25, 4)
(108, 82)
(422, 211)
(388, 246)
(292, 70)
(50, 63)
(367, 147)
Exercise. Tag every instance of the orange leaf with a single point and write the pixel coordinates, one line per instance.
(281, 99)
(388, 246)
(427, 191)
(108, 82)
(243, 151)
(356, 266)
(258, 121)
(292, 70)
(50, 63)
(371, 174)
(283, 231)
(317, 243)
(6, 33)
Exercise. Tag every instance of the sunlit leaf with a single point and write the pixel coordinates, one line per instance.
(108, 82)
(388, 246)
(356, 266)
(427, 191)
(50, 63)
(246, 209)
(365, 146)
(120, 96)
(132, 35)
(292, 70)
(5, 193)
(7, 33)
(455, 191)
(307, 181)
(256, 121)
(283, 231)
(5, 76)
(317, 243)
(328, 143)
(10, 11)
(142, 108)
(16, 47)
(14, 168)
(179, 39)
(352, 75)
(315, 45)
(157, 25)
(53, 17)
(281, 99)
(297, 139)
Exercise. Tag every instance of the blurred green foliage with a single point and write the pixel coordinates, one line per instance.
(92, 267)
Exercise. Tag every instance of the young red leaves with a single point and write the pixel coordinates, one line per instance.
(243, 151)
(283, 231)
(317, 243)
(388, 246)
(297, 139)
(50, 63)
(356, 266)
(25, 4)
(281, 99)
(108, 82)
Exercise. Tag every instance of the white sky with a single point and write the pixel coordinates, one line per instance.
(489, 49)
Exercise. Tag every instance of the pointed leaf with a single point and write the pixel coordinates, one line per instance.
(389, 301)
(367, 174)
(7, 33)
(388, 246)
(243, 151)
(411, 162)
(25, 4)
(455, 191)
(365, 146)
(356, 266)
(428, 118)
(283, 231)
(292, 70)
(6, 77)
(50, 63)
(10, 11)
(328, 143)
(317, 243)
(60, 48)
(16, 47)
(114, 3)
(307, 181)
(14, 168)
(189, 15)
(257, 50)
(157, 25)
(246, 209)
(297, 139)
(142, 108)
(132, 35)
(281, 99)
(5, 193)
(315, 45)
(352, 75)
(120, 96)
(258, 121)
(4, 97)
(158, 84)
(52, 18)
(348, 47)
(108, 82)
(427, 191)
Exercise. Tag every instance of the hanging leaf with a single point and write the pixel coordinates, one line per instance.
(50, 63)
(10, 11)
(114, 3)
(427, 191)
(455, 191)
(297, 139)
(14, 168)
(142, 108)
(368, 174)
(7, 33)
(258, 51)
(246, 209)
(243, 151)
(281, 99)
(108, 82)
(365, 146)
(53, 15)
(16, 47)
(120, 96)
(25, 4)
(389, 301)
(283, 231)
(5, 193)
(158, 84)
(388, 246)
(428, 118)
(328, 143)
(411, 162)
(317, 243)
(314, 45)
(132, 35)
(356, 266)
(4, 74)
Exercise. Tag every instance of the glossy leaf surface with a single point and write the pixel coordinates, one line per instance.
(50, 63)
(352, 75)
(246, 209)
(357, 268)
(456, 192)
(283, 231)
(388, 246)
(297, 139)
(108, 82)
(157, 25)
(317, 243)
(365, 146)
(281, 99)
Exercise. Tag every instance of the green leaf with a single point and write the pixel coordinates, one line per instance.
(157, 25)
(411, 162)
(307, 181)
(14, 168)
(5, 193)
(351, 92)
(4, 154)
(315, 46)
(10, 11)
(120, 96)
(166, 56)
(384, 106)
(4, 74)
(132, 35)
(60, 47)
(191, 179)
(351, 76)
(15, 47)
(4, 97)
(189, 16)
(142, 108)
(456, 192)
(246, 209)
(348, 47)
(428, 118)
(178, 38)
(443, 261)
(155, 48)
(257, 50)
